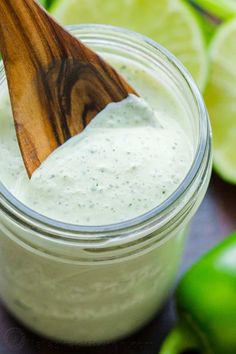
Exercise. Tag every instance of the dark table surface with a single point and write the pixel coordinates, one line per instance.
(214, 220)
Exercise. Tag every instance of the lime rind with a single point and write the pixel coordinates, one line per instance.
(46, 3)
(220, 97)
(172, 23)
(223, 9)
(208, 22)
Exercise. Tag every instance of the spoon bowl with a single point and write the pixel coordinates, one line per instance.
(56, 83)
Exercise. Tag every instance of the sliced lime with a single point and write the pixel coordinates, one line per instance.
(224, 9)
(172, 23)
(220, 98)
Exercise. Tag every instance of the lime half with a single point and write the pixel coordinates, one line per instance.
(220, 98)
(172, 23)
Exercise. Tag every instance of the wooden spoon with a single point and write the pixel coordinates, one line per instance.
(56, 83)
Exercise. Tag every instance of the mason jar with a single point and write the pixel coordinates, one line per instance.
(88, 284)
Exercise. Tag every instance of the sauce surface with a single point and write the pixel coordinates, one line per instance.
(129, 159)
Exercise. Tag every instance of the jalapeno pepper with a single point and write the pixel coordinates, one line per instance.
(206, 305)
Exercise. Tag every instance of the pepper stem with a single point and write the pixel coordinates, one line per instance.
(178, 341)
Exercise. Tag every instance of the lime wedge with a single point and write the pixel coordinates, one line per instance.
(223, 9)
(172, 23)
(220, 96)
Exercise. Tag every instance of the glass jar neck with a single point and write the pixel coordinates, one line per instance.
(157, 224)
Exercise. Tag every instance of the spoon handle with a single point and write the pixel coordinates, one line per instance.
(28, 32)
(20, 31)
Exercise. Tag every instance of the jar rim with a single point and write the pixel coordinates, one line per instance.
(12, 205)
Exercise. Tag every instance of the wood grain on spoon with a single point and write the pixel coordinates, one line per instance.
(56, 83)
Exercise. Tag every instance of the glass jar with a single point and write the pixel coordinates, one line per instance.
(82, 284)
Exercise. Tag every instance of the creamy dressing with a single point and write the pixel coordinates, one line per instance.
(127, 161)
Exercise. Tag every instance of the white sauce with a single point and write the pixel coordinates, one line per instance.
(126, 162)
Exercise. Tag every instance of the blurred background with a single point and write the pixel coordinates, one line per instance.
(202, 34)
